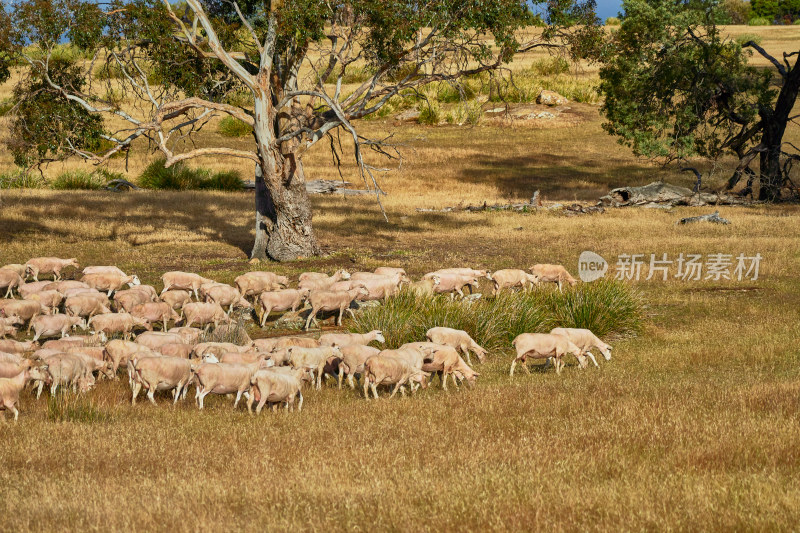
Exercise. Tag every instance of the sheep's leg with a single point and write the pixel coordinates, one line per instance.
(351, 381)
(39, 390)
(300, 401)
(339, 320)
(366, 387)
(591, 356)
(374, 390)
(151, 393)
(261, 402)
(455, 381)
(16, 413)
(319, 377)
(265, 314)
(308, 320)
(394, 391)
(238, 397)
(341, 376)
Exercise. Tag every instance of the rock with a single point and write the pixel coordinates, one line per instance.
(543, 115)
(550, 98)
(712, 217)
(408, 115)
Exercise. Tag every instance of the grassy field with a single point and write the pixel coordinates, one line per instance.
(693, 425)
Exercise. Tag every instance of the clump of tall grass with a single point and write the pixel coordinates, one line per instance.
(550, 66)
(759, 21)
(605, 307)
(78, 180)
(233, 127)
(430, 113)
(613, 21)
(20, 179)
(180, 177)
(67, 406)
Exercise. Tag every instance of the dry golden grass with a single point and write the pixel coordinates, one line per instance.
(692, 426)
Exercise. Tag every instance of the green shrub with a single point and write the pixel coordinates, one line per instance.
(796, 22)
(180, 177)
(243, 99)
(20, 179)
(606, 307)
(66, 406)
(745, 37)
(612, 21)
(449, 93)
(108, 71)
(5, 106)
(77, 180)
(550, 66)
(226, 180)
(759, 21)
(429, 113)
(233, 127)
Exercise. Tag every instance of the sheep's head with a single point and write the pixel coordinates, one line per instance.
(344, 274)
(379, 336)
(134, 281)
(73, 262)
(606, 351)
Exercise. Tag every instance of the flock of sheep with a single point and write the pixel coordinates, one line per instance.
(268, 370)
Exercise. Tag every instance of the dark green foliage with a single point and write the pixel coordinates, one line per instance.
(550, 66)
(608, 308)
(779, 11)
(674, 86)
(45, 124)
(736, 12)
(180, 177)
(78, 180)
(233, 127)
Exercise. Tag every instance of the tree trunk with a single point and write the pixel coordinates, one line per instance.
(771, 178)
(283, 213)
(283, 210)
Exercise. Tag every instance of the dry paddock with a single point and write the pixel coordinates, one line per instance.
(692, 425)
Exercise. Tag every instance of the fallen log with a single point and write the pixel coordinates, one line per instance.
(658, 194)
(711, 217)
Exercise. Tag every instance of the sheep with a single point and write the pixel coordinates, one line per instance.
(10, 369)
(189, 335)
(544, 345)
(104, 368)
(273, 344)
(109, 282)
(183, 280)
(451, 283)
(67, 370)
(323, 283)
(512, 277)
(10, 280)
(276, 387)
(111, 323)
(332, 301)
(176, 349)
(10, 389)
(15, 267)
(352, 361)
(254, 283)
(446, 362)
(148, 290)
(153, 312)
(346, 339)
(204, 314)
(155, 339)
(313, 359)
(382, 370)
(49, 299)
(347, 285)
(160, 373)
(224, 295)
(283, 300)
(103, 270)
(27, 289)
(425, 287)
(553, 274)
(6, 357)
(381, 287)
(17, 347)
(48, 265)
(26, 310)
(64, 343)
(176, 298)
(64, 286)
(119, 352)
(585, 340)
(458, 339)
(224, 378)
(391, 271)
(130, 299)
(8, 326)
(50, 325)
(217, 348)
(85, 306)
(342, 274)
(464, 272)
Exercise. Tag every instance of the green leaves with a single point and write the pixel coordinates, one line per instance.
(673, 86)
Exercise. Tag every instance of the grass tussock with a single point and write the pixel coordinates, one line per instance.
(180, 177)
(78, 180)
(233, 127)
(606, 307)
(67, 406)
(19, 178)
